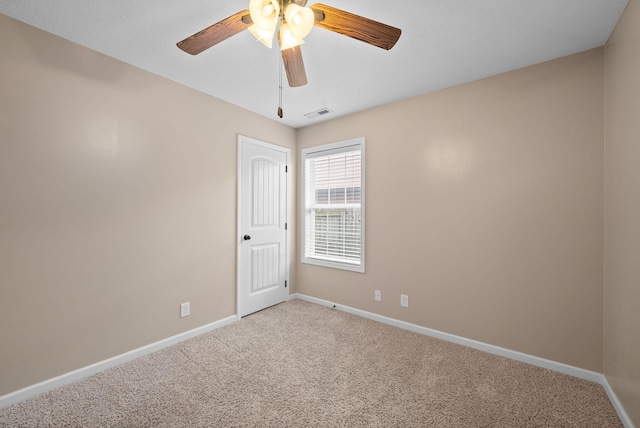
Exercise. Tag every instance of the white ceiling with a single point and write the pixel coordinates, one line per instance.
(443, 43)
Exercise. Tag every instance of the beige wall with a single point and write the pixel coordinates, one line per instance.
(117, 203)
(622, 212)
(484, 205)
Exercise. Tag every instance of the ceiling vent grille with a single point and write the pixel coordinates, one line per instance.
(323, 111)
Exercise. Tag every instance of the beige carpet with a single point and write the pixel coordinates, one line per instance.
(302, 365)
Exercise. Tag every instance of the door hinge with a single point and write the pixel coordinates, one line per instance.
(285, 226)
(286, 168)
(285, 284)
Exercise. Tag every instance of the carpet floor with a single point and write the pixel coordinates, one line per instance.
(298, 364)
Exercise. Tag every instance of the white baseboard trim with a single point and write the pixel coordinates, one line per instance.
(67, 378)
(56, 382)
(589, 375)
(622, 414)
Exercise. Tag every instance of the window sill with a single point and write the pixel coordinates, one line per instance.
(335, 265)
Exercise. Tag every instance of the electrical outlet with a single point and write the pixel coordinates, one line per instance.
(404, 300)
(185, 309)
(378, 295)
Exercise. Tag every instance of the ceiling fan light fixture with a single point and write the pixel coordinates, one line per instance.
(263, 36)
(300, 20)
(295, 20)
(264, 13)
(287, 39)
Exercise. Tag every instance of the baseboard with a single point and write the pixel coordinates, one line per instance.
(589, 375)
(514, 355)
(50, 384)
(622, 414)
(56, 382)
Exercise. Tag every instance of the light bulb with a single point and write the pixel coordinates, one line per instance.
(287, 39)
(300, 20)
(263, 36)
(264, 13)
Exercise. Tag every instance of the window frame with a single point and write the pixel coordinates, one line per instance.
(321, 151)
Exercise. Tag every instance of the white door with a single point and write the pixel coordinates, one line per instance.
(262, 225)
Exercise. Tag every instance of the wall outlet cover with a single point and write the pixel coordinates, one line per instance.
(185, 309)
(404, 300)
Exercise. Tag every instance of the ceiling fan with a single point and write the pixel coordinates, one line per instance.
(296, 21)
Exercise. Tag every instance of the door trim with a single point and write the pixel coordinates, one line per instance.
(242, 139)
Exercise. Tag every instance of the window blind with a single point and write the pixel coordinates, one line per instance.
(333, 205)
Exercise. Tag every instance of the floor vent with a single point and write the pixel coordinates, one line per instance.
(317, 113)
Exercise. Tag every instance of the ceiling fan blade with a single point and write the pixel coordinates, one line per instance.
(348, 24)
(294, 66)
(216, 33)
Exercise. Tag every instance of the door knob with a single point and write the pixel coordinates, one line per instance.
(246, 237)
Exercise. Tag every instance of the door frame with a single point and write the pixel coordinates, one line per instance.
(242, 139)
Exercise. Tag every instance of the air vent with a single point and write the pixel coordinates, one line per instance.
(317, 113)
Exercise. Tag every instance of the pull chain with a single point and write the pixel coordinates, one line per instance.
(280, 114)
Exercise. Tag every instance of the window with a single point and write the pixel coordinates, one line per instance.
(333, 210)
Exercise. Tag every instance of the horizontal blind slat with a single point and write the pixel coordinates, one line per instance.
(332, 228)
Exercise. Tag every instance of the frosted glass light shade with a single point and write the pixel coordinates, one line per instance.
(263, 36)
(264, 13)
(300, 20)
(288, 40)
